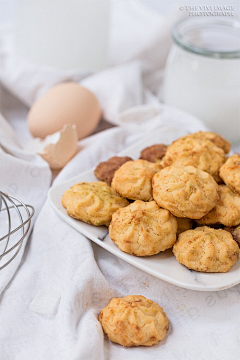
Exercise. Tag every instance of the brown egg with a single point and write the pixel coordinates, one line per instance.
(66, 103)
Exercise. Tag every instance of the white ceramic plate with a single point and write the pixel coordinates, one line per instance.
(164, 265)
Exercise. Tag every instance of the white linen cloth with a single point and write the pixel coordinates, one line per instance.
(20, 172)
(49, 308)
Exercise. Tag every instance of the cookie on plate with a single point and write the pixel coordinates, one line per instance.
(217, 139)
(184, 224)
(153, 153)
(230, 172)
(106, 169)
(185, 191)
(93, 203)
(133, 179)
(143, 228)
(201, 153)
(227, 210)
(235, 232)
(206, 249)
(133, 321)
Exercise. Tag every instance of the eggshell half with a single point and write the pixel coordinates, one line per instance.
(65, 103)
(57, 149)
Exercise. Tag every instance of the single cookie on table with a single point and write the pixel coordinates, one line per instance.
(230, 172)
(153, 153)
(93, 203)
(133, 179)
(235, 232)
(184, 224)
(106, 169)
(226, 211)
(185, 191)
(133, 321)
(217, 139)
(206, 249)
(201, 153)
(143, 229)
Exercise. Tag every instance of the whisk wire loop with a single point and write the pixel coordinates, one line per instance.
(10, 241)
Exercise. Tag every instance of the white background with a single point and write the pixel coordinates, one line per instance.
(8, 7)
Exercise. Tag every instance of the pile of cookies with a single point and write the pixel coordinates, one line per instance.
(184, 196)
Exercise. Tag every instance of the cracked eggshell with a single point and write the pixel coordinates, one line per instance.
(57, 149)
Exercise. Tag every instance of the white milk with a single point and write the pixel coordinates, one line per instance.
(207, 87)
(67, 34)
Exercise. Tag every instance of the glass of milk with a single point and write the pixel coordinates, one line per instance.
(203, 73)
(66, 34)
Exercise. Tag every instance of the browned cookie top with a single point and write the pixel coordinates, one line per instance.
(106, 169)
(230, 172)
(217, 139)
(134, 320)
(235, 231)
(153, 153)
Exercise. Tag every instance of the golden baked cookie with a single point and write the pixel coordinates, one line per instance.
(201, 153)
(93, 203)
(184, 224)
(227, 210)
(206, 249)
(217, 139)
(230, 172)
(133, 321)
(133, 179)
(143, 228)
(185, 191)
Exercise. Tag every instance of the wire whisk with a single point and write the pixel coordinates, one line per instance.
(15, 223)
